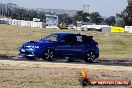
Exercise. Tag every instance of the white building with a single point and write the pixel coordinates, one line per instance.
(96, 27)
(22, 23)
(51, 21)
(128, 29)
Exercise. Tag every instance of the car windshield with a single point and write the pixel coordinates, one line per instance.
(51, 38)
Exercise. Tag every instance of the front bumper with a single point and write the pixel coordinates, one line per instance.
(27, 52)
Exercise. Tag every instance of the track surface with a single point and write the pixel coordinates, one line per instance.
(22, 73)
(112, 65)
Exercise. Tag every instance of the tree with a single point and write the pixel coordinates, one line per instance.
(64, 18)
(110, 21)
(21, 13)
(78, 16)
(95, 17)
(81, 16)
(127, 16)
(41, 16)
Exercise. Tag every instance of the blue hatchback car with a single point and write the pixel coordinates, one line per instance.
(61, 44)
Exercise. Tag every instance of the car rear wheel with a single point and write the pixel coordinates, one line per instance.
(48, 54)
(90, 57)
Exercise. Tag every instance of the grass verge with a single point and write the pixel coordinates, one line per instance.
(113, 46)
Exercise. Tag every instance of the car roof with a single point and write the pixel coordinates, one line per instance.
(63, 33)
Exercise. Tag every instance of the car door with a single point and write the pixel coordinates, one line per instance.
(66, 46)
(78, 46)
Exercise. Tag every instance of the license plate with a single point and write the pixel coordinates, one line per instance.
(22, 50)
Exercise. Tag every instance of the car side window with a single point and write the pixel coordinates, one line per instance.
(85, 39)
(70, 39)
(52, 38)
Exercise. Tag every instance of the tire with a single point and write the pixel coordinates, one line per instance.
(90, 57)
(48, 54)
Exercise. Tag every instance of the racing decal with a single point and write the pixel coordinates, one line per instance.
(79, 38)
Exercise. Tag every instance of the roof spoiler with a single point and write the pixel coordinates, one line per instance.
(90, 37)
(32, 41)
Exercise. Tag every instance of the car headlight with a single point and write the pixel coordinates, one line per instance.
(33, 47)
(20, 46)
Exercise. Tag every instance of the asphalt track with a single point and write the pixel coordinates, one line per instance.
(104, 63)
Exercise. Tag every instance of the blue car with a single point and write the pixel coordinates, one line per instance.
(61, 44)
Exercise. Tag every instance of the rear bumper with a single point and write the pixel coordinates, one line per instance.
(97, 55)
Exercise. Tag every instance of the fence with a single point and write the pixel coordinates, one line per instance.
(22, 23)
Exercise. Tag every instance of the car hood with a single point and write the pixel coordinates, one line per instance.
(36, 43)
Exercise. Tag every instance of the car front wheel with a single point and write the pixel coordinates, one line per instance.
(90, 57)
(49, 54)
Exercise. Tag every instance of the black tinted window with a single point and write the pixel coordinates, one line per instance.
(70, 38)
(85, 39)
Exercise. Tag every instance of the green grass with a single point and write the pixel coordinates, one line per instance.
(113, 46)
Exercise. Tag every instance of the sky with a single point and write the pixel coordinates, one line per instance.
(104, 7)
